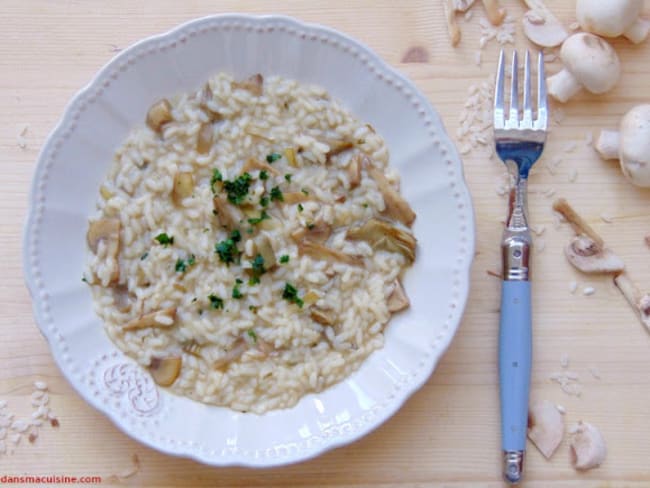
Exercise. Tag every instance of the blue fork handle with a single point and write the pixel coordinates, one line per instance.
(515, 351)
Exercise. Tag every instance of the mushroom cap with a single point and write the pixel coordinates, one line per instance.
(592, 61)
(634, 147)
(609, 18)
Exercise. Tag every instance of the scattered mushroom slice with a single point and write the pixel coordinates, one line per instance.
(235, 352)
(252, 164)
(354, 171)
(164, 371)
(265, 249)
(319, 251)
(397, 300)
(161, 318)
(640, 303)
(495, 12)
(337, 147)
(382, 235)
(541, 26)
(310, 297)
(462, 5)
(583, 253)
(587, 446)
(122, 298)
(613, 18)
(579, 225)
(108, 231)
(228, 215)
(545, 427)
(293, 197)
(452, 26)
(323, 317)
(205, 96)
(396, 206)
(204, 138)
(318, 232)
(159, 114)
(183, 186)
(290, 155)
(630, 144)
(254, 84)
(589, 62)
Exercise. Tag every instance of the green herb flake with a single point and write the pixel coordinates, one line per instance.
(300, 207)
(264, 201)
(144, 256)
(276, 194)
(249, 230)
(288, 177)
(290, 294)
(257, 220)
(164, 239)
(238, 188)
(194, 299)
(310, 226)
(264, 175)
(181, 266)
(251, 333)
(284, 259)
(304, 191)
(227, 251)
(236, 293)
(365, 205)
(215, 302)
(83, 278)
(273, 157)
(252, 308)
(235, 235)
(216, 176)
(258, 269)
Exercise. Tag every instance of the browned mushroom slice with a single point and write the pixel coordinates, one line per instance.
(192, 347)
(310, 298)
(396, 206)
(164, 371)
(397, 300)
(204, 138)
(354, 171)
(159, 114)
(205, 96)
(227, 215)
(183, 186)
(265, 249)
(293, 197)
(122, 298)
(583, 253)
(337, 147)
(160, 318)
(382, 235)
(252, 164)
(107, 231)
(317, 232)
(323, 317)
(254, 84)
(290, 155)
(233, 354)
(318, 251)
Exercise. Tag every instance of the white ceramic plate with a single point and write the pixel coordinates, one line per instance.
(64, 191)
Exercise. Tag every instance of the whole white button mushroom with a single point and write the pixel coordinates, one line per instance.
(589, 62)
(613, 18)
(630, 145)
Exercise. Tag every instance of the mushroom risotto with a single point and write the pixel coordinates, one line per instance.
(249, 242)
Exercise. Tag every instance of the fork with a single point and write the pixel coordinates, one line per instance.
(519, 144)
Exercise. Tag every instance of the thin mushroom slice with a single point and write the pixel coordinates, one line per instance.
(159, 114)
(265, 249)
(160, 318)
(354, 171)
(396, 206)
(107, 231)
(320, 251)
(227, 215)
(587, 447)
(238, 348)
(164, 371)
(252, 164)
(183, 186)
(254, 84)
(382, 235)
(337, 147)
(319, 232)
(204, 138)
(545, 427)
(397, 300)
(323, 317)
(583, 253)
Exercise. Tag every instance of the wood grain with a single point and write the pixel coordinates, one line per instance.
(446, 434)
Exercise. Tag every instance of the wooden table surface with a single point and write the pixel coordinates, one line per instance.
(447, 434)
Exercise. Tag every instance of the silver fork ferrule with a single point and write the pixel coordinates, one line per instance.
(513, 465)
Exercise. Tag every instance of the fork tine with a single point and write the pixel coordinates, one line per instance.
(527, 122)
(499, 121)
(513, 118)
(542, 102)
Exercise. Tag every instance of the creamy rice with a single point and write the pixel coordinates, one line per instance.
(311, 319)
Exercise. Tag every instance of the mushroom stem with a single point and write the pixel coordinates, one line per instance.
(494, 11)
(638, 31)
(562, 85)
(579, 225)
(452, 26)
(608, 144)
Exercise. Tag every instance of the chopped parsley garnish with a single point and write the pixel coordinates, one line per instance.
(249, 230)
(300, 207)
(144, 256)
(215, 301)
(264, 201)
(365, 205)
(216, 176)
(264, 175)
(227, 251)
(238, 281)
(276, 194)
(192, 260)
(310, 226)
(238, 188)
(257, 220)
(290, 294)
(251, 333)
(252, 308)
(273, 157)
(83, 278)
(257, 266)
(235, 290)
(194, 299)
(288, 177)
(181, 265)
(164, 239)
(235, 235)
(304, 191)
(284, 259)
(207, 229)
